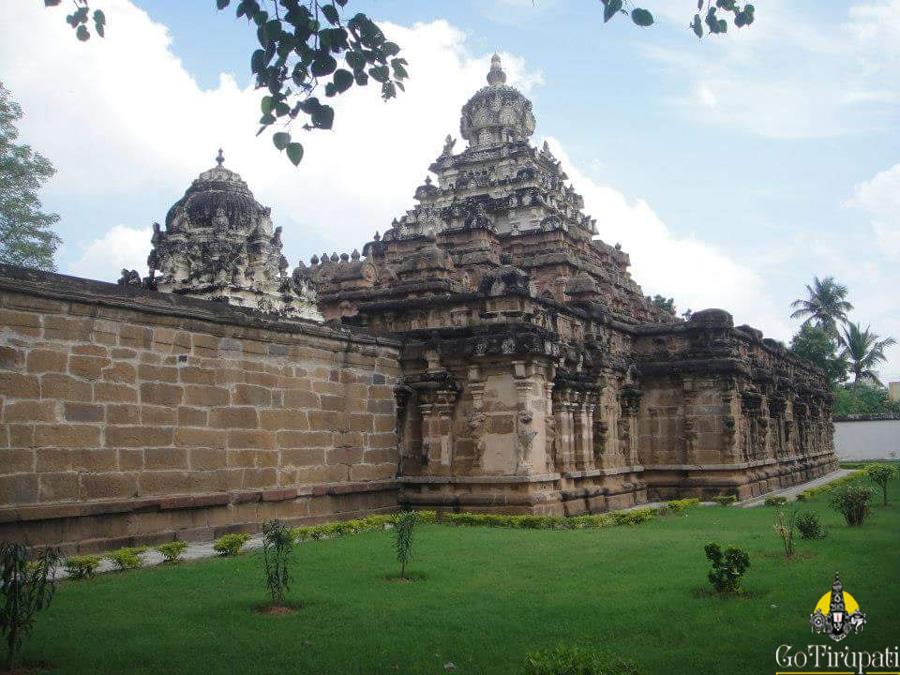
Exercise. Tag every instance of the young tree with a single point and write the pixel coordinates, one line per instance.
(404, 527)
(25, 235)
(816, 345)
(26, 588)
(826, 305)
(301, 44)
(881, 475)
(278, 542)
(864, 351)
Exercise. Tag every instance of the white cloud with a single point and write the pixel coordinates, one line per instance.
(695, 273)
(119, 248)
(880, 199)
(791, 75)
(121, 117)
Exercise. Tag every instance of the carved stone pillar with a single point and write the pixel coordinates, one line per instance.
(630, 401)
(476, 418)
(549, 427)
(525, 431)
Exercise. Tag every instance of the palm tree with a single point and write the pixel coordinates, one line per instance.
(826, 306)
(863, 351)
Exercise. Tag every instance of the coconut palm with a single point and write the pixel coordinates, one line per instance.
(863, 351)
(826, 307)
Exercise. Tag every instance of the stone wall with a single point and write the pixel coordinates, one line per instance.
(136, 417)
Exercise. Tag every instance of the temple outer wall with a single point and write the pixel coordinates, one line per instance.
(132, 417)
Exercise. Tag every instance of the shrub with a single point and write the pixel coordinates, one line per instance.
(804, 496)
(82, 566)
(881, 475)
(278, 542)
(124, 558)
(852, 501)
(172, 550)
(775, 501)
(810, 526)
(784, 528)
(635, 517)
(404, 527)
(230, 544)
(728, 567)
(26, 588)
(725, 500)
(566, 660)
(679, 505)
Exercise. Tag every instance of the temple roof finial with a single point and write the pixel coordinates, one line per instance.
(220, 158)
(496, 74)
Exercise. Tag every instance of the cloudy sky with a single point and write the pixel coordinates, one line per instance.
(732, 170)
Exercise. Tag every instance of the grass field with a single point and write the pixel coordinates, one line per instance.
(485, 598)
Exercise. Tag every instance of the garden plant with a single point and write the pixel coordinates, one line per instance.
(852, 502)
(404, 527)
(26, 588)
(278, 542)
(728, 567)
(881, 475)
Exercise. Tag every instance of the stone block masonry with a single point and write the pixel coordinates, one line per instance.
(133, 417)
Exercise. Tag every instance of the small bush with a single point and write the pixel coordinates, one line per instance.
(775, 501)
(784, 528)
(404, 526)
(566, 660)
(852, 502)
(810, 526)
(804, 496)
(230, 544)
(172, 550)
(728, 567)
(725, 500)
(26, 588)
(881, 475)
(124, 558)
(278, 541)
(679, 505)
(82, 566)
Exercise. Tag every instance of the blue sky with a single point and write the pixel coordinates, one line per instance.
(732, 169)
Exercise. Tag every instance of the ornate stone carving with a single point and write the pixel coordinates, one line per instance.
(219, 244)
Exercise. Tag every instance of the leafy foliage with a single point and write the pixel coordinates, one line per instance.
(777, 500)
(278, 542)
(26, 588)
(852, 502)
(566, 660)
(307, 43)
(25, 235)
(230, 544)
(826, 305)
(810, 525)
(864, 351)
(125, 558)
(818, 346)
(863, 399)
(784, 528)
(82, 566)
(404, 527)
(172, 550)
(881, 475)
(665, 304)
(725, 500)
(728, 567)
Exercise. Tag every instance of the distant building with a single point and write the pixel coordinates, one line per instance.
(894, 388)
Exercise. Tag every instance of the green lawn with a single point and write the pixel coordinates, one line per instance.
(488, 596)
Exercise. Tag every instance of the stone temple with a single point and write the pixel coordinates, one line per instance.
(486, 353)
